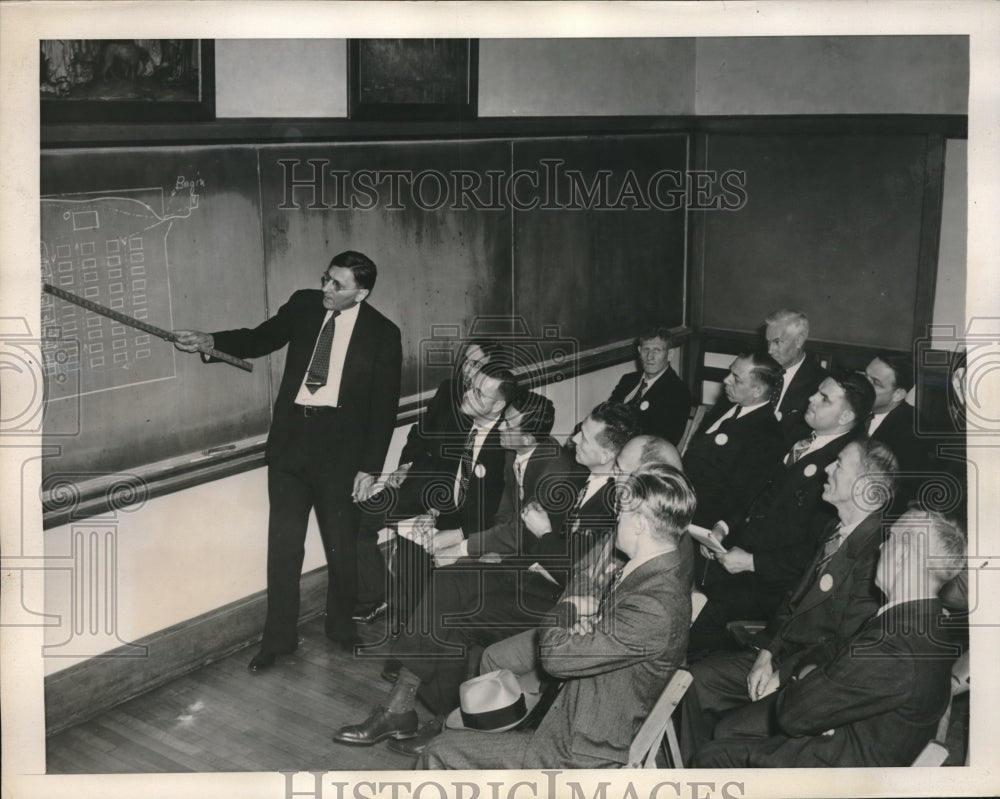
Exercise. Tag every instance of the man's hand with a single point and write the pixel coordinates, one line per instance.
(445, 556)
(445, 539)
(364, 485)
(193, 341)
(736, 560)
(718, 532)
(395, 479)
(761, 676)
(536, 519)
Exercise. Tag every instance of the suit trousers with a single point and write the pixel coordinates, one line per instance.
(719, 685)
(467, 606)
(304, 474)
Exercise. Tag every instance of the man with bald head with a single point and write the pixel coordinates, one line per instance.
(786, 332)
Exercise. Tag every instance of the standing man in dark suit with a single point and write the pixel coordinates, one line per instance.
(834, 598)
(769, 545)
(786, 332)
(615, 653)
(738, 446)
(661, 398)
(893, 422)
(333, 419)
(879, 700)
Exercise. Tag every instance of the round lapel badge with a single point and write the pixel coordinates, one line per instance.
(825, 583)
(644, 405)
(479, 471)
(721, 439)
(810, 470)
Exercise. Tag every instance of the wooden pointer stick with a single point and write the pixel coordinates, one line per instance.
(131, 321)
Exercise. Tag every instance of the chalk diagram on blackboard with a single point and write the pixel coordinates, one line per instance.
(110, 248)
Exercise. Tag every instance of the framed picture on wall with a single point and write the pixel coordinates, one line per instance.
(412, 79)
(95, 81)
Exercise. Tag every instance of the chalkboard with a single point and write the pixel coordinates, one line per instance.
(219, 237)
(831, 225)
(171, 236)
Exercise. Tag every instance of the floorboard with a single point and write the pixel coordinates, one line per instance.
(221, 718)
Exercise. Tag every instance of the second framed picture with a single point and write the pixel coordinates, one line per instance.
(412, 79)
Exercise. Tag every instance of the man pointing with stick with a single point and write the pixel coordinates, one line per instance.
(332, 422)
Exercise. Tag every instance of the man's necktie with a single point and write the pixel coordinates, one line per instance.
(637, 397)
(778, 388)
(830, 548)
(574, 512)
(609, 591)
(800, 448)
(319, 368)
(519, 475)
(465, 468)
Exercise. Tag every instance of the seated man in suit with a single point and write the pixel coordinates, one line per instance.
(442, 412)
(661, 398)
(732, 455)
(768, 545)
(893, 421)
(787, 332)
(831, 602)
(879, 700)
(615, 652)
(456, 478)
(475, 604)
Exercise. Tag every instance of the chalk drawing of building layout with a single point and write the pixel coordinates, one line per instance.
(110, 248)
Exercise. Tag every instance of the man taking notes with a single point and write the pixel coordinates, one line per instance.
(332, 422)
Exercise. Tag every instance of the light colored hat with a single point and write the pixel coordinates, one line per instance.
(491, 702)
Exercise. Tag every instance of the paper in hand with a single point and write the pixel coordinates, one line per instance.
(703, 536)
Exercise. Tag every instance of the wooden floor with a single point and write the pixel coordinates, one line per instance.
(222, 718)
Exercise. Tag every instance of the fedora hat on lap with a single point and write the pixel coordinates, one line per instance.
(492, 702)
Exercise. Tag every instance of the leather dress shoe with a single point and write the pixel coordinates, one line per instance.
(390, 670)
(416, 745)
(372, 614)
(264, 659)
(381, 724)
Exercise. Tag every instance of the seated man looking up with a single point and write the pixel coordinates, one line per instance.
(769, 544)
(879, 700)
(831, 602)
(738, 446)
(615, 652)
(478, 604)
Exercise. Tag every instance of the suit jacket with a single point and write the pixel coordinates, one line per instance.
(898, 433)
(431, 479)
(369, 387)
(441, 416)
(783, 524)
(827, 607)
(667, 401)
(730, 466)
(584, 531)
(550, 476)
(615, 674)
(882, 697)
(793, 405)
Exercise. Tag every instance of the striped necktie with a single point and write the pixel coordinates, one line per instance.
(319, 368)
(519, 475)
(637, 397)
(830, 547)
(800, 448)
(465, 468)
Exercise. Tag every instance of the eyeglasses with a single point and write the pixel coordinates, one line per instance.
(325, 280)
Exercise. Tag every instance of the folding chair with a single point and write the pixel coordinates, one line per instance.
(936, 751)
(692, 425)
(647, 741)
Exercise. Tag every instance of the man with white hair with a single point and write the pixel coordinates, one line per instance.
(879, 701)
(786, 332)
